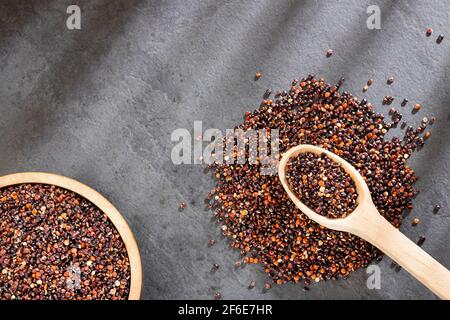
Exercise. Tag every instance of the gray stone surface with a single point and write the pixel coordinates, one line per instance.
(99, 105)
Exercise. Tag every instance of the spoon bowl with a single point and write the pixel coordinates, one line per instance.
(367, 223)
(364, 197)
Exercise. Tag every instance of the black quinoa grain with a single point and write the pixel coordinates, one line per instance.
(404, 102)
(421, 241)
(432, 120)
(436, 208)
(388, 100)
(215, 267)
(267, 93)
(396, 116)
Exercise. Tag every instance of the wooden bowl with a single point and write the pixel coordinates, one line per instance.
(102, 204)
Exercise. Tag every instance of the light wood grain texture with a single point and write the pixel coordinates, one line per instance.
(104, 205)
(366, 222)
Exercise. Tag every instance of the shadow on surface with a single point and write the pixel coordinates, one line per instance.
(100, 25)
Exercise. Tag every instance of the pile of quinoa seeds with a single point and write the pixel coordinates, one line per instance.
(265, 225)
(56, 245)
(322, 185)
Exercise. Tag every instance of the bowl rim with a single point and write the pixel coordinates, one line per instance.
(98, 200)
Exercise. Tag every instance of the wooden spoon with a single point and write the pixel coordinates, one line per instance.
(367, 223)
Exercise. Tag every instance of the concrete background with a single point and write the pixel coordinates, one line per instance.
(99, 105)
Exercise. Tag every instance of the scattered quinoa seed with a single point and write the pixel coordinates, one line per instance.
(258, 75)
(215, 267)
(429, 32)
(404, 102)
(388, 100)
(183, 206)
(421, 240)
(329, 52)
(416, 221)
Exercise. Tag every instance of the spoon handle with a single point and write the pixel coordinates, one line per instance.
(404, 251)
